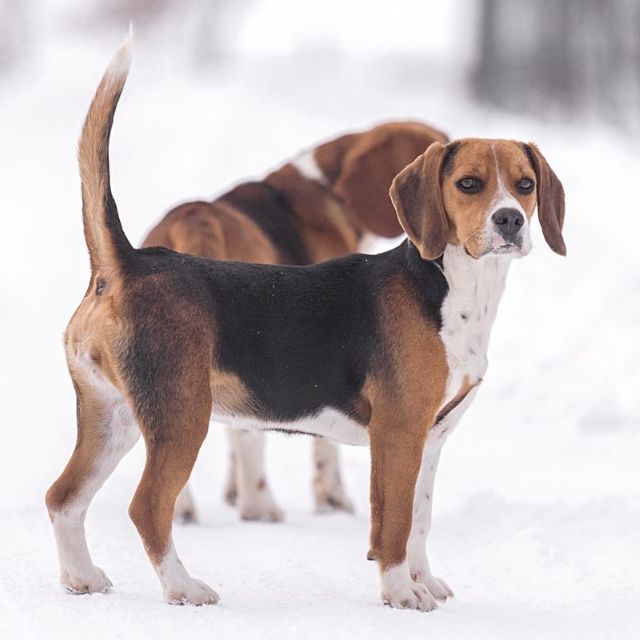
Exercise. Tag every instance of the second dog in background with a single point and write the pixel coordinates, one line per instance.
(326, 203)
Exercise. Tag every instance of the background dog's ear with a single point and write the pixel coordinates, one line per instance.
(416, 193)
(368, 167)
(550, 200)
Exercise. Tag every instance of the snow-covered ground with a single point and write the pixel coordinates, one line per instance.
(537, 514)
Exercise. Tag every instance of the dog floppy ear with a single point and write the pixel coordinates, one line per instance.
(550, 200)
(369, 166)
(416, 193)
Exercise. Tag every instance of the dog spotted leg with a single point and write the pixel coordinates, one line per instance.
(423, 500)
(231, 486)
(327, 484)
(422, 505)
(254, 498)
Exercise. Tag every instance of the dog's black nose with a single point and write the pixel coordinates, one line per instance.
(508, 221)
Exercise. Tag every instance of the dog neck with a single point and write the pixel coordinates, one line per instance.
(468, 312)
(479, 282)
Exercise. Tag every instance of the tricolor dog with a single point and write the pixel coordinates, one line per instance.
(386, 350)
(328, 202)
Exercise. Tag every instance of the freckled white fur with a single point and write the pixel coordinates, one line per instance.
(400, 591)
(419, 567)
(329, 423)
(475, 289)
(306, 164)
(327, 484)
(255, 501)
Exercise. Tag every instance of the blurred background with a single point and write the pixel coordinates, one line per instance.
(573, 58)
(538, 507)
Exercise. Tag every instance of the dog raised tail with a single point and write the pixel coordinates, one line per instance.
(109, 248)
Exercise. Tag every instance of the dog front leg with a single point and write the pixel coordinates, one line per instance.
(396, 455)
(423, 501)
(422, 505)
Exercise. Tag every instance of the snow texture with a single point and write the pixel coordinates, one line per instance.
(537, 509)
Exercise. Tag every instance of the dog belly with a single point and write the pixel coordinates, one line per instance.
(328, 423)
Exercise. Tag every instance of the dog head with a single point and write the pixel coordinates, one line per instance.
(480, 194)
(361, 166)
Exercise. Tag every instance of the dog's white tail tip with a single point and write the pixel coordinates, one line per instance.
(121, 61)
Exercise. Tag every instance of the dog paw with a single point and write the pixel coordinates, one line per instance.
(231, 493)
(95, 582)
(185, 510)
(438, 588)
(409, 596)
(261, 510)
(195, 592)
(327, 503)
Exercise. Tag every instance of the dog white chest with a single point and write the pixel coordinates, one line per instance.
(468, 313)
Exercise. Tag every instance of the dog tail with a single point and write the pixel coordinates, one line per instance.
(109, 248)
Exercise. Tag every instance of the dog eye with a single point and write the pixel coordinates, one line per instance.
(525, 185)
(469, 184)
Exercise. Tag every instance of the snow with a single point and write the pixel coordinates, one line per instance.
(537, 509)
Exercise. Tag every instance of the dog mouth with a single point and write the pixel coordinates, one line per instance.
(506, 248)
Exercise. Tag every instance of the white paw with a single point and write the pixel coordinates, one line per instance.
(412, 595)
(261, 509)
(95, 582)
(337, 501)
(194, 592)
(438, 588)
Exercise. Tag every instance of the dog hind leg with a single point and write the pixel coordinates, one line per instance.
(106, 432)
(173, 433)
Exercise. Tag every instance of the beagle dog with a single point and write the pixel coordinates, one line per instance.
(386, 350)
(328, 202)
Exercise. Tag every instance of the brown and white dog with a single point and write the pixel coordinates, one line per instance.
(328, 202)
(386, 350)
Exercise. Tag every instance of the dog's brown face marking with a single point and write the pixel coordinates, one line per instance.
(479, 194)
(480, 176)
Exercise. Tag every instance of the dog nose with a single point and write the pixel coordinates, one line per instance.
(508, 221)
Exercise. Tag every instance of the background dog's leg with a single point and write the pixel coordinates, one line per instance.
(106, 431)
(173, 438)
(396, 454)
(185, 509)
(327, 483)
(231, 487)
(254, 498)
